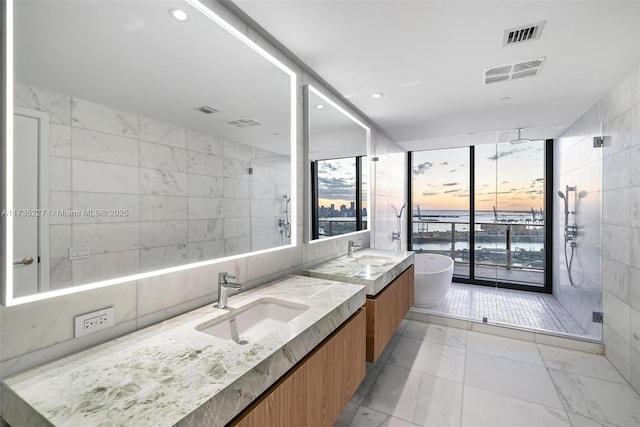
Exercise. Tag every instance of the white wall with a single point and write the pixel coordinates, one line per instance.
(42, 331)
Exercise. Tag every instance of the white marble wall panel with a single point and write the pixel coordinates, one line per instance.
(107, 237)
(168, 183)
(166, 158)
(162, 133)
(59, 174)
(236, 189)
(201, 230)
(163, 233)
(59, 241)
(236, 227)
(157, 208)
(105, 265)
(233, 150)
(237, 208)
(95, 146)
(163, 257)
(58, 105)
(59, 140)
(60, 274)
(60, 200)
(205, 207)
(202, 251)
(128, 202)
(236, 169)
(205, 164)
(203, 143)
(103, 177)
(205, 186)
(237, 245)
(89, 115)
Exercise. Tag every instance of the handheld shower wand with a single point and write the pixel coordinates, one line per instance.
(570, 232)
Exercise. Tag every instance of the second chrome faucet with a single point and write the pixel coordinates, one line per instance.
(223, 286)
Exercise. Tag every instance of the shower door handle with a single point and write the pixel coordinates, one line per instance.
(24, 261)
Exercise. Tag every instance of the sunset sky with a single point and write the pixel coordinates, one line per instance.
(510, 177)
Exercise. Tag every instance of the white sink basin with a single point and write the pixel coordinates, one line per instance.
(254, 321)
(373, 260)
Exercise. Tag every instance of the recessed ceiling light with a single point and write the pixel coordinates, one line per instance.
(178, 14)
(276, 133)
(319, 106)
(505, 98)
(377, 95)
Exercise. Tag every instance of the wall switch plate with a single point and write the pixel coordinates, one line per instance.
(79, 252)
(91, 322)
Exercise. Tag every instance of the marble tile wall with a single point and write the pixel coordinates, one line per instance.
(189, 196)
(39, 332)
(389, 190)
(618, 115)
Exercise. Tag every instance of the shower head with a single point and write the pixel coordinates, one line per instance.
(520, 140)
(560, 194)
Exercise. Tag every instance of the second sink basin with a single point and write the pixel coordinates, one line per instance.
(373, 260)
(254, 321)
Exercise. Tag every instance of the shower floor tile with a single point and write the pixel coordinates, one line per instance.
(506, 306)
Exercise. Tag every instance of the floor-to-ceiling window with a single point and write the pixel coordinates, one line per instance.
(485, 206)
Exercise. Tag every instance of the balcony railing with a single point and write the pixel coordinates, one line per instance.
(336, 226)
(505, 244)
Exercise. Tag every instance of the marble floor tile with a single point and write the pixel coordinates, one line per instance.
(485, 408)
(384, 357)
(597, 399)
(512, 378)
(430, 358)
(453, 337)
(508, 348)
(579, 362)
(414, 397)
(373, 370)
(580, 421)
(347, 414)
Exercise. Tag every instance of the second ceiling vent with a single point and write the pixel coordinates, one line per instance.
(515, 71)
(524, 33)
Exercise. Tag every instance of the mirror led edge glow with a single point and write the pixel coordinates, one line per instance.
(367, 129)
(8, 166)
(8, 299)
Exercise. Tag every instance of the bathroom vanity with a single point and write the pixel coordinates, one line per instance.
(293, 356)
(388, 277)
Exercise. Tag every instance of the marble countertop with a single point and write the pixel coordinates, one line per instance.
(171, 374)
(372, 268)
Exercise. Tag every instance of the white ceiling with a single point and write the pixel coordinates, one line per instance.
(428, 58)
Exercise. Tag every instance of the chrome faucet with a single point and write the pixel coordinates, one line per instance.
(223, 286)
(352, 244)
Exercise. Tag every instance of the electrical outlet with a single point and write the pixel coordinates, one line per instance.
(79, 252)
(91, 322)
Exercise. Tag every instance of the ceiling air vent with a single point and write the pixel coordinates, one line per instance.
(525, 33)
(245, 122)
(206, 109)
(513, 71)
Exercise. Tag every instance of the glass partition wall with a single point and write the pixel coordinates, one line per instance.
(486, 207)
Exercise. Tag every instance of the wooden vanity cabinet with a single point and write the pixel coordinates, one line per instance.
(386, 310)
(316, 390)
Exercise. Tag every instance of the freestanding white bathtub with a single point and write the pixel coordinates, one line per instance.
(433, 274)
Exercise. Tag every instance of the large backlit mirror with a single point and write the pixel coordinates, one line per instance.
(338, 151)
(148, 136)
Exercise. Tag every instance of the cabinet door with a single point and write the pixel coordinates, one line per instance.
(316, 390)
(385, 312)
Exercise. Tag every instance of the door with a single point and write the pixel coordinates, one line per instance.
(30, 201)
